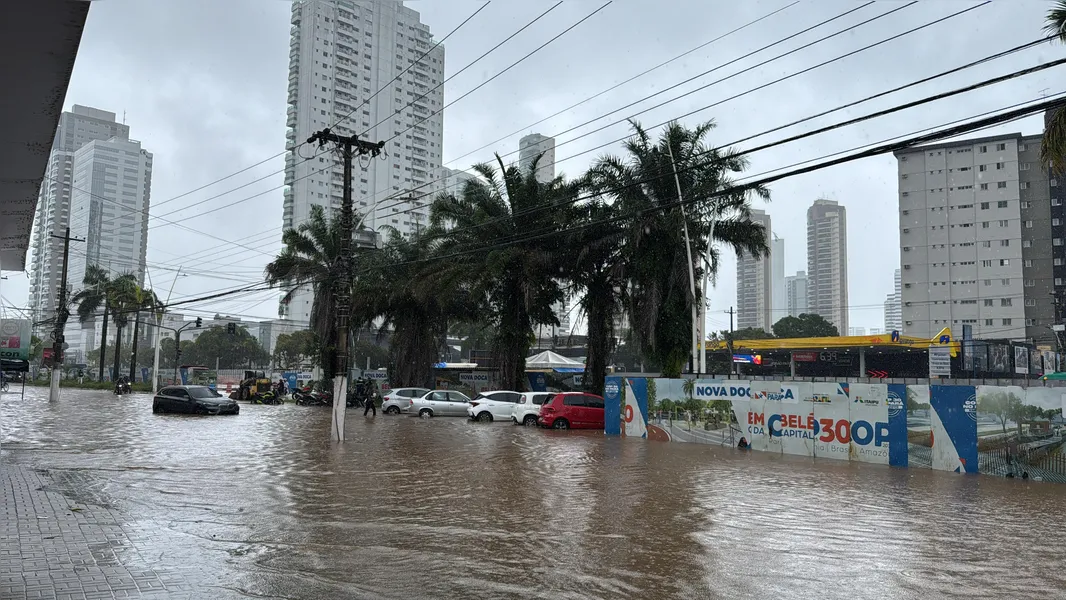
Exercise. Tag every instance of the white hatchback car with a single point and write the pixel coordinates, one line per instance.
(487, 407)
(527, 409)
(399, 400)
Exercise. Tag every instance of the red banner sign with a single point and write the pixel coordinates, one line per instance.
(805, 356)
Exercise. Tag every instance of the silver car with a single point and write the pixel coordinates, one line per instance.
(440, 403)
(399, 400)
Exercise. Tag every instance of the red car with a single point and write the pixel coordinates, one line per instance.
(572, 410)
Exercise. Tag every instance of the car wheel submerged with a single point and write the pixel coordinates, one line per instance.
(530, 421)
(484, 417)
(157, 409)
(425, 413)
(392, 410)
(560, 424)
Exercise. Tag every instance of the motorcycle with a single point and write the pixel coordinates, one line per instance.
(314, 399)
(123, 388)
(268, 398)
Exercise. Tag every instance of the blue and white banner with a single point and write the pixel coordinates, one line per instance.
(953, 423)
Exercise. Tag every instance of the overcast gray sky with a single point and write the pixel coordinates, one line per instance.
(203, 85)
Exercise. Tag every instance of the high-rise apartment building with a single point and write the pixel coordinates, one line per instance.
(343, 58)
(779, 306)
(76, 128)
(856, 331)
(755, 284)
(111, 193)
(894, 306)
(827, 262)
(977, 238)
(455, 180)
(532, 146)
(796, 294)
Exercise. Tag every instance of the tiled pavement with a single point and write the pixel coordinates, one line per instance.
(55, 543)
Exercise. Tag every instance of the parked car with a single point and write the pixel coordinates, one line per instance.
(440, 403)
(489, 406)
(572, 410)
(527, 409)
(399, 399)
(193, 399)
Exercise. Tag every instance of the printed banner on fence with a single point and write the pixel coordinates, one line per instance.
(953, 424)
(635, 409)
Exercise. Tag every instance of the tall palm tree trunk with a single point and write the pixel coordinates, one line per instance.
(103, 345)
(118, 350)
(133, 354)
(600, 336)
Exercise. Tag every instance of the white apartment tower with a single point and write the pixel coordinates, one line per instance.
(76, 128)
(796, 294)
(779, 308)
(976, 238)
(894, 306)
(343, 58)
(532, 146)
(755, 284)
(827, 262)
(112, 187)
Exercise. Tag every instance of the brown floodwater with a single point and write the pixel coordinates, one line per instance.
(263, 505)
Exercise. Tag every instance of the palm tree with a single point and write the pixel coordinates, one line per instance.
(598, 278)
(144, 300)
(517, 282)
(311, 257)
(656, 251)
(101, 291)
(1053, 145)
(394, 290)
(124, 304)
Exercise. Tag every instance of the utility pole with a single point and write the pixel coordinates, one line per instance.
(732, 365)
(62, 314)
(349, 146)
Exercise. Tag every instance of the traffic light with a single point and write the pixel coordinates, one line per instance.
(199, 321)
(231, 328)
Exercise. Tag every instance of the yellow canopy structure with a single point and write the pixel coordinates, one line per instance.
(849, 341)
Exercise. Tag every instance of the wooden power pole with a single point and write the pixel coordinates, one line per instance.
(350, 146)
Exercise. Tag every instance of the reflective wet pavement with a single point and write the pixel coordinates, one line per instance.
(262, 505)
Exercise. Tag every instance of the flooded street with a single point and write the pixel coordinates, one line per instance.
(262, 505)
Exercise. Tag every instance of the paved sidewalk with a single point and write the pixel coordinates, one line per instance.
(55, 543)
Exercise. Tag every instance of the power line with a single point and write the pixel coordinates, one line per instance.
(763, 86)
(804, 135)
(475, 61)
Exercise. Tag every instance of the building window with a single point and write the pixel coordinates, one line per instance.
(1030, 283)
(1054, 183)
(1024, 185)
(984, 205)
(1056, 221)
(1056, 241)
(1027, 244)
(1001, 204)
(1030, 301)
(1023, 167)
(988, 282)
(984, 186)
(1004, 301)
(982, 168)
(1005, 281)
(1026, 204)
(1006, 321)
(988, 302)
(986, 263)
(1058, 262)
(1002, 185)
(1001, 147)
(999, 166)
(1004, 243)
(988, 322)
(1004, 262)
(984, 224)
(982, 150)
(1028, 262)
(1003, 223)
(986, 244)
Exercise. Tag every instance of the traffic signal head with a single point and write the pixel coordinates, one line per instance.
(199, 321)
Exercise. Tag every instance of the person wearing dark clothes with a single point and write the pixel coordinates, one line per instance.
(743, 444)
(369, 405)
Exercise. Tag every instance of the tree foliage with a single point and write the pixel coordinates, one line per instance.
(643, 185)
(231, 350)
(291, 350)
(805, 325)
(1053, 144)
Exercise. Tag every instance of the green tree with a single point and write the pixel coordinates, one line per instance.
(311, 257)
(402, 292)
(513, 276)
(115, 297)
(656, 251)
(143, 301)
(1053, 144)
(805, 325)
(36, 348)
(749, 333)
(293, 349)
(1006, 406)
(652, 397)
(598, 277)
(232, 350)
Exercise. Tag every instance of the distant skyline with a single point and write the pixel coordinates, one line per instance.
(209, 100)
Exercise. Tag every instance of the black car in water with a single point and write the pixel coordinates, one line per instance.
(193, 399)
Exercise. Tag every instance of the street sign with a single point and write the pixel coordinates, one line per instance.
(470, 378)
(940, 361)
(877, 374)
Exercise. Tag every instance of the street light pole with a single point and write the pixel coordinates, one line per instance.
(158, 330)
